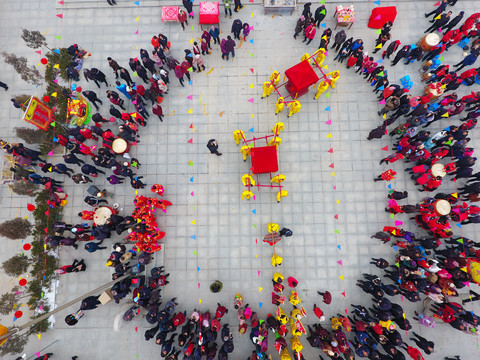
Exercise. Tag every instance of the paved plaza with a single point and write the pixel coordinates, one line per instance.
(210, 232)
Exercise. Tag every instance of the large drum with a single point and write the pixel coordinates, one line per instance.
(102, 215)
(438, 170)
(435, 89)
(120, 146)
(429, 41)
(442, 207)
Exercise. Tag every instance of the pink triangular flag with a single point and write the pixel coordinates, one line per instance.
(250, 100)
(134, 102)
(330, 151)
(438, 3)
(46, 212)
(37, 354)
(378, 17)
(39, 52)
(329, 122)
(50, 153)
(61, 2)
(251, 69)
(340, 262)
(192, 13)
(191, 126)
(382, 102)
(343, 293)
(385, 148)
(190, 97)
(60, 16)
(190, 141)
(466, 283)
(334, 187)
(332, 165)
(136, 32)
(192, 193)
(336, 216)
(55, 81)
(258, 272)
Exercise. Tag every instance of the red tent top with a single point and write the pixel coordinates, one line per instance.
(264, 159)
(301, 76)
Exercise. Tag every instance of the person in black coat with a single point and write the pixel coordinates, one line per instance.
(320, 14)
(125, 75)
(440, 9)
(142, 73)
(453, 22)
(92, 97)
(90, 303)
(403, 53)
(236, 28)
(189, 6)
(444, 19)
(115, 112)
(98, 76)
(340, 38)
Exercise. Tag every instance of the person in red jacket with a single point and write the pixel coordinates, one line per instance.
(414, 353)
(388, 175)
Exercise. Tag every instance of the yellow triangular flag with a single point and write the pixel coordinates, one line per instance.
(54, 94)
(384, 116)
(464, 269)
(190, 111)
(26, 217)
(56, 66)
(455, 195)
(137, 18)
(39, 336)
(338, 201)
(260, 289)
(443, 86)
(193, 222)
(379, 46)
(329, 135)
(137, 47)
(50, 169)
(253, 115)
(437, 17)
(38, 64)
(341, 277)
(199, 301)
(332, 174)
(134, 115)
(191, 41)
(252, 14)
(251, 86)
(445, 115)
(326, 67)
(136, 192)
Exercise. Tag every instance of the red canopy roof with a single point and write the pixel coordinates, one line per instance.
(301, 76)
(264, 159)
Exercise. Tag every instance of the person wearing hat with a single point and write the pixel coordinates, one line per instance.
(300, 26)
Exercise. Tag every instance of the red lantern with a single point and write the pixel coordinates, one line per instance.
(79, 89)
(46, 98)
(18, 314)
(27, 247)
(44, 61)
(30, 207)
(22, 282)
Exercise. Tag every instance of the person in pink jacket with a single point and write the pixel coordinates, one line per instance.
(310, 32)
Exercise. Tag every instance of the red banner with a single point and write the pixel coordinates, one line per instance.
(38, 114)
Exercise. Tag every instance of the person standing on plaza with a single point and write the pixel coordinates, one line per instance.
(114, 65)
(440, 9)
(125, 75)
(230, 46)
(236, 28)
(320, 14)
(215, 34)
(182, 18)
(238, 5)
(300, 26)
(5, 86)
(188, 4)
(92, 97)
(227, 4)
(212, 145)
(310, 32)
(443, 20)
(388, 175)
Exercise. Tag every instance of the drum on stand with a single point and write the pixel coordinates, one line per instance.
(442, 207)
(120, 146)
(429, 41)
(438, 170)
(102, 215)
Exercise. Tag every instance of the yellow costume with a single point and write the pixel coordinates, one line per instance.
(280, 105)
(294, 299)
(321, 89)
(278, 277)
(247, 195)
(305, 57)
(238, 135)
(267, 89)
(276, 260)
(285, 355)
(275, 77)
(278, 179)
(295, 107)
(272, 227)
(293, 328)
(336, 324)
(275, 141)
(281, 194)
(335, 76)
(245, 150)
(247, 180)
(281, 316)
(280, 126)
(320, 56)
(296, 344)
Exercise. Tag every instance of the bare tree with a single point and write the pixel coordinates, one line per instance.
(16, 265)
(22, 187)
(9, 300)
(31, 136)
(34, 39)
(15, 229)
(28, 74)
(14, 345)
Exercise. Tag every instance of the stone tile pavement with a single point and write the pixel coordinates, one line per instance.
(225, 227)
